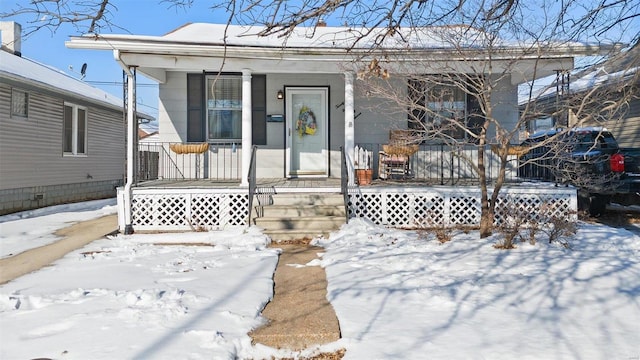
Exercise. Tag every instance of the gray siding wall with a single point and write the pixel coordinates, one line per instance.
(627, 129)
(172, 117)
(378, 115)
(375, 116)
(31, 154)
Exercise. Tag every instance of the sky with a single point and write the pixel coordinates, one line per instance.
(141, 17)
(397, 294)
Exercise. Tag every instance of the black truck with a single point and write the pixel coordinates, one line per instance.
(588, 158)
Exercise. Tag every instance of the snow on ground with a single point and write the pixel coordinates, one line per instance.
(20, 232)
(401, 296)
(397, 294)
(126, 298)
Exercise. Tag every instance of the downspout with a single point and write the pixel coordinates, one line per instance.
(130, 71)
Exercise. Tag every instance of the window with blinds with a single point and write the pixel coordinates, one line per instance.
(439, 107)
(224, 107)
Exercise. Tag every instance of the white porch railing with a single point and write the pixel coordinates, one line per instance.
(158, 209)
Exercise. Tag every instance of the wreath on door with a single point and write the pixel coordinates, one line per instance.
(306, 124)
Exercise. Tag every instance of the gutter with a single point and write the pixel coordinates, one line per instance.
(131, 83)
(160, 46)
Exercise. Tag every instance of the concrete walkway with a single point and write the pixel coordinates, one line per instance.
(73, 237)
(299, 313)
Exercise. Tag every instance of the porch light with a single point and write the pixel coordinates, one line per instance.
(280, 95)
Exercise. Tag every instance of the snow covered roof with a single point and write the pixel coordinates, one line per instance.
(600, 77)
(336, 38)
(43, 76)
(198, 46)
(621, 68)
(328, 37)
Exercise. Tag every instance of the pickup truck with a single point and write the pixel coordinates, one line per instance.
(588, 158)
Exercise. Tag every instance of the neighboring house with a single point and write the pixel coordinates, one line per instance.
(587, 93)
(61, 140)
(145, 135)
(297, 99)
(149, 150)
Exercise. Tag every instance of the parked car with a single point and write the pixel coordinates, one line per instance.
(588, 158)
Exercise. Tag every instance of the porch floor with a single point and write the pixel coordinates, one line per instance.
(328, 184)
(301, 184)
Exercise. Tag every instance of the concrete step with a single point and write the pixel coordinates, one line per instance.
(297, 216)
(302, 236)
(300, 199)
(300, 210)
(309, 223)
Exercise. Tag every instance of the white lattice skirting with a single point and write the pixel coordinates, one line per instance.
(185, 209)
(450, 206)
(402, 207)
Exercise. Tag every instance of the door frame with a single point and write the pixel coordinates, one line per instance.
(290, 131)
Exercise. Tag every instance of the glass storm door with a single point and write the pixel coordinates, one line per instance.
(307, 133)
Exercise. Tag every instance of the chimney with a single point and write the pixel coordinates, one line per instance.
(11, 33)
(321, 23)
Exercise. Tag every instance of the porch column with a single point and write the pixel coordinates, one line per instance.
(246, 126)
(131, 150)
(349, 132)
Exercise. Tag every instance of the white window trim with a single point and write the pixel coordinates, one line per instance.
(74, 130)
(206, 95)
(26, 105)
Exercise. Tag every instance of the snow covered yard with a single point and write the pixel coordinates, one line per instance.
(401, 296)
(398, 295)
(125, 298)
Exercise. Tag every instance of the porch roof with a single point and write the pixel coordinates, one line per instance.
(198, 46)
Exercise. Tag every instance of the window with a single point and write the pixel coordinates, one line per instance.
(224, 108)
(197, 102)
(74, 141)
(19, 103)
(441, 108)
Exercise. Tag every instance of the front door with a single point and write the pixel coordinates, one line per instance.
(307, 110)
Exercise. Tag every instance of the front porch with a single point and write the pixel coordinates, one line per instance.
(221, 163)
(195, 205)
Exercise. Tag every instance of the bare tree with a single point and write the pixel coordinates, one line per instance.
(86, 16)
(478, 42)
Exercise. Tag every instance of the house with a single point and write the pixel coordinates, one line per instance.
(148, 154)
(61, 140)
(581, 100)
(299, 100)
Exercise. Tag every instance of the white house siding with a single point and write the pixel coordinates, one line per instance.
(34, 171)
(504, 99)
(378, 116)
(172, 108)
(272, 155)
